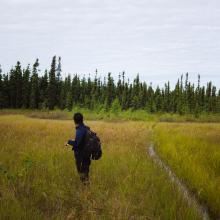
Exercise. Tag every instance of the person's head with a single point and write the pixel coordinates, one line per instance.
(78, 118)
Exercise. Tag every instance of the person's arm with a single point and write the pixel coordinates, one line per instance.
(79, 136)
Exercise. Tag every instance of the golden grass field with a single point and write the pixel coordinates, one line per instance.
(193, 152)
(38, 179)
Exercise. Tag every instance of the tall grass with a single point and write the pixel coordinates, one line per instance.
(193, 151)
(38, 179)
(101, 114)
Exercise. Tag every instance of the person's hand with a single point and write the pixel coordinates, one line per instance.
(66, 144)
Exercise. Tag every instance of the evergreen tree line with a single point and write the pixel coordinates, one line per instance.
(24, 88)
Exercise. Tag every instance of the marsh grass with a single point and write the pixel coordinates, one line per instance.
(101, 114)
(193, 152)
(38, 179)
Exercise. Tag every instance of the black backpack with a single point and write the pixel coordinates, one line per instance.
(92, 145)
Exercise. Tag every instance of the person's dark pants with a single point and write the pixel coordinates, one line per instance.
(82, 166)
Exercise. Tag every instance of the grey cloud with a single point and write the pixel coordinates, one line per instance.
(152, 37)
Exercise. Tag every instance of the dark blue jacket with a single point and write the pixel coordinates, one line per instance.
(79, 138)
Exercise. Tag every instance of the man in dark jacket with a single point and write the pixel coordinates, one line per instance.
(82, 161)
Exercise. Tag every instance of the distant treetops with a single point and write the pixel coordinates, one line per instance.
(28, 88)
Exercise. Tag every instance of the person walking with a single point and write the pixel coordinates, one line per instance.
(82, 160)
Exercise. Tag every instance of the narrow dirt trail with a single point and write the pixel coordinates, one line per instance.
(188, 196)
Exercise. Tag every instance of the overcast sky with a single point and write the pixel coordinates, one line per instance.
(159, 39)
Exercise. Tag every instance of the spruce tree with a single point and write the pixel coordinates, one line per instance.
(69, 101)
(151, 106)
(208, 101)
(136, 95)
(197, 109)
(110, 90)
(34, 96)
(69, 94)
(18, 83)
(62, 101)
(77, 93)
(6, 91)
(43, 91)
(58, 82)
(95, 92)
(52, 88)
(12, 89)
(26, 87)
(15, 86)
(158, 100)
(88, 93)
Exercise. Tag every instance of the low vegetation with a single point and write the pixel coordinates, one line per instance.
(131, 115)
(193, 152)
(38, 179)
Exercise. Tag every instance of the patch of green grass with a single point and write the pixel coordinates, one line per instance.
(38, 179)
(193, 152)
(101, 114)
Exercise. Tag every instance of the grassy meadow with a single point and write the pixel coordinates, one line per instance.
(101, 114)
(193, 152)
(38, 179)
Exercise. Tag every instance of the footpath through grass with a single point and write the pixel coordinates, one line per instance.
(38, 179)
(193, 152)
